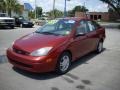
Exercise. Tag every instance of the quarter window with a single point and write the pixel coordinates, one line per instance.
(91, 26)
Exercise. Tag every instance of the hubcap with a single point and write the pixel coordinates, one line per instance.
(64, 63)
(21, 25)
(100, 47)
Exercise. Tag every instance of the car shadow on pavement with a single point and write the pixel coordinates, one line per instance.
(50, 75)
(37, 76)
(6, 28)
(85, 59)
(28, 27)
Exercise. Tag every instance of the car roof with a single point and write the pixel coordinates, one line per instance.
(76, 18)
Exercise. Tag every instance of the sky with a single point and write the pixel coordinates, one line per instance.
(47, 5)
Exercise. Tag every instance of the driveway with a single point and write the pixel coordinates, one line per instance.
(91, 72)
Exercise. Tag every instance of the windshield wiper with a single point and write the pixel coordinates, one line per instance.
(44, 32)
(48, 33)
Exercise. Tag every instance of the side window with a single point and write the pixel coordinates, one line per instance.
(91, 26)
(82, 28)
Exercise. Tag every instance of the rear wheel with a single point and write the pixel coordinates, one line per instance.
(63, 64)
(99, 47)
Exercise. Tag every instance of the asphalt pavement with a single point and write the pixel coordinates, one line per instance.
(91, 72)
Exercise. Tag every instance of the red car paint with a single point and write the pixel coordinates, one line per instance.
(77, 46)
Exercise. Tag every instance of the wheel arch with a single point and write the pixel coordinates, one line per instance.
(57, 65)
(67, 50)
(101, 40)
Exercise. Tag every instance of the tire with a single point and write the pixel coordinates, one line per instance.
(12, 27)
(64, 63)
(99, 47)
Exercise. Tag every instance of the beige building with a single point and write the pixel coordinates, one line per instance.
(104, 16)
(94, 15)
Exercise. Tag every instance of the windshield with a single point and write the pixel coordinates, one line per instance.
(22, 19)
(2, 15)
(57, 27)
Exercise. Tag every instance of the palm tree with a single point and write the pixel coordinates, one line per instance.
(80, 9)
(55, 13)
(17, 8)
(12, 5)
(77, 9)
(2, 5)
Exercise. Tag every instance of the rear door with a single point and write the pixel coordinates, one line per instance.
(92, 35)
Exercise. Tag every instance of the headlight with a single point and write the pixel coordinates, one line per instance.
(41, 51)
(25, 23)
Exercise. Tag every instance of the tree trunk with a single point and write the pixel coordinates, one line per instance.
(9, 13)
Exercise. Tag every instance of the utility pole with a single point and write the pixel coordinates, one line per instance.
(65, 5)
(35, 9)
(53, 9)
(65, 9)
(85, 10)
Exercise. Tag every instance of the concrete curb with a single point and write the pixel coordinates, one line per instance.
(110, 25)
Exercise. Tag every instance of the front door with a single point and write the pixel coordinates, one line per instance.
(79, 45)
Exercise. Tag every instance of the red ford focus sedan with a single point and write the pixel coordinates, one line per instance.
(56, 44)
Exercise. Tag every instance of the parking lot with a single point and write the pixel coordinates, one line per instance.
(91, 72)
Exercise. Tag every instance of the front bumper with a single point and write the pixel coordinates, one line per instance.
(6, 24)
(32, 64)
(28, 25)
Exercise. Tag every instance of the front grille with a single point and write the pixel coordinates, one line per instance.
(20, 63)
(18, 51)
(8, 20)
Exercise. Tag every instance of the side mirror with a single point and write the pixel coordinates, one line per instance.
(80, 34)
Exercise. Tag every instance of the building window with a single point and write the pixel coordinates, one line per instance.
(99, 17)
(95, 17)
(91, 17)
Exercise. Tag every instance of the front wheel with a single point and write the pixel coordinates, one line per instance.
(63, 64)
(21, 25)
(12, 27)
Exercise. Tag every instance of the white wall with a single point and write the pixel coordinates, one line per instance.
(24, 14)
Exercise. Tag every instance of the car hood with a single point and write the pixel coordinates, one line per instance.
(7, 18)
(36, 41)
